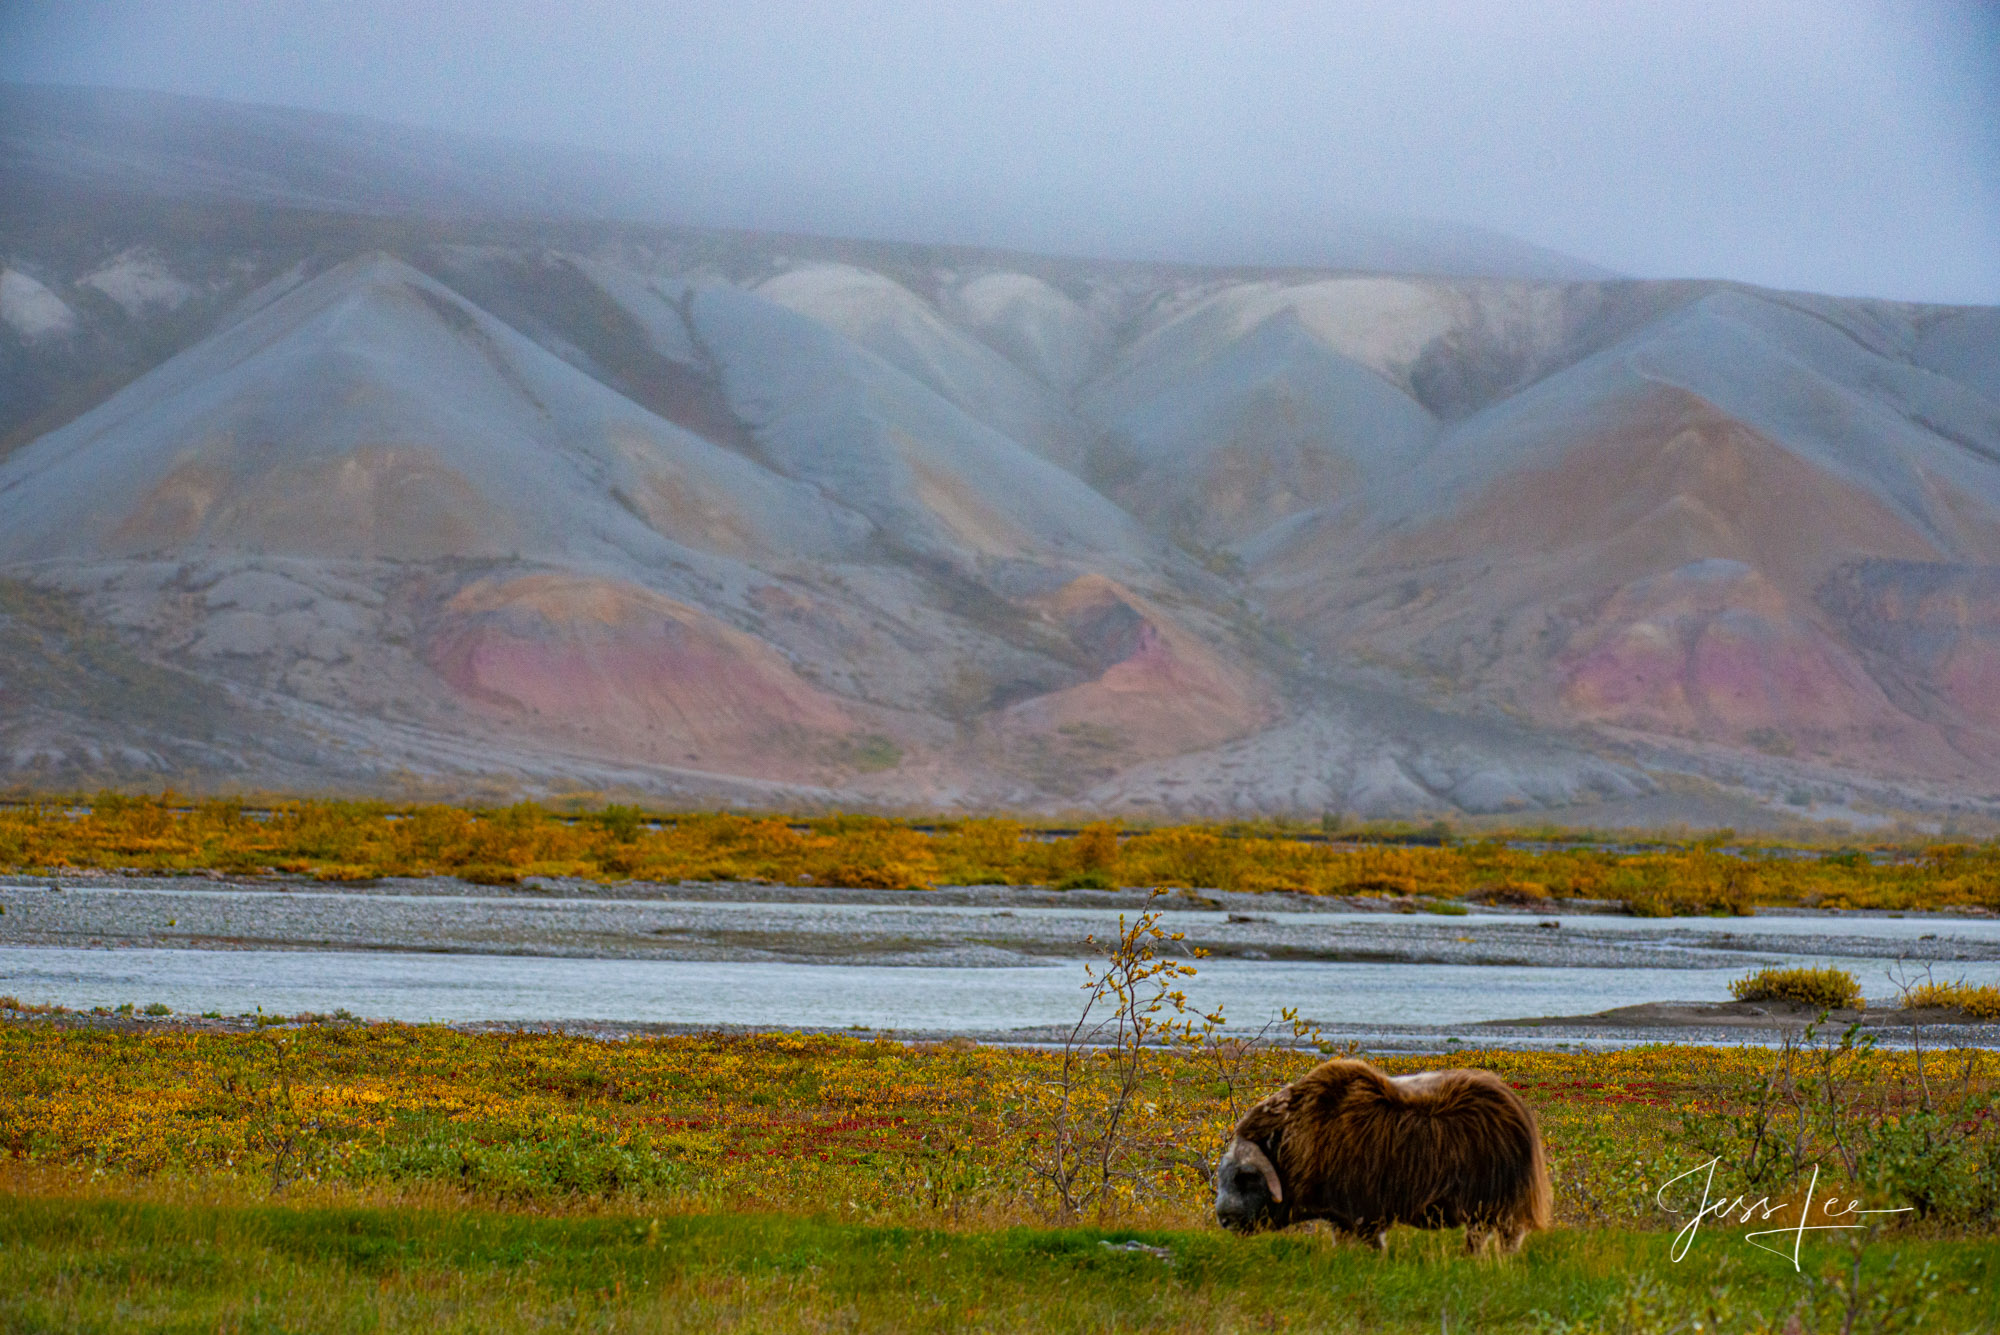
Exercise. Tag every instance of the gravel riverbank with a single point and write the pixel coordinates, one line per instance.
(979, 925)
(1009, 928)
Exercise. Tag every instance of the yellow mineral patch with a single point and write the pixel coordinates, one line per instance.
(176, 508)
(383, 501)
(562, 600)
(674, 508)
(397, 502)
(1711, 487)
(968, 518)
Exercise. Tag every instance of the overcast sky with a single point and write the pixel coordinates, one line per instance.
(1830, 145)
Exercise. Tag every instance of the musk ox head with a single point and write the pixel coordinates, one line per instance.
(1248, 1194)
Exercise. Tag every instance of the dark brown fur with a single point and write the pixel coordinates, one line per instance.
(1444, 1149)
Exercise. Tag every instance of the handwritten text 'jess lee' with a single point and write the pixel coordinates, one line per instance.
(1762, 1210)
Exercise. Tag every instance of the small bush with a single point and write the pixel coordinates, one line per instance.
(1828, 989)
(157, 1008)
(1376, 887)
(1980, 1003)
(1512, 892)
(874, 876)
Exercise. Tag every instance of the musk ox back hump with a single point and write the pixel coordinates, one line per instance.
(1437, 1150)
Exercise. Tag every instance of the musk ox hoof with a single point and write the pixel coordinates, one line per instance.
(1506, 1240)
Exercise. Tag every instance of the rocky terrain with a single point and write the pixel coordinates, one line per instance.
(312, 480)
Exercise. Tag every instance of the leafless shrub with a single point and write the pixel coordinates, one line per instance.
(1088, 1113)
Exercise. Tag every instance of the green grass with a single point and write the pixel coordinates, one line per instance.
(110, 1265)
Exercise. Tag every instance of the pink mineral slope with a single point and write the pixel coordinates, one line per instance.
(722, 516)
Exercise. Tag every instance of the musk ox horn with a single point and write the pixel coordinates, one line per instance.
(1246, 1154)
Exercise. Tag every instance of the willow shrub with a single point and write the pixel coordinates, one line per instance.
(1828, 989)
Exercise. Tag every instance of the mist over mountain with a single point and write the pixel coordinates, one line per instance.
(162, 144)
(337, 454)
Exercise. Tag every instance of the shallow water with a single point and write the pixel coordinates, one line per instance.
(438, 987)
(1883, 926)
(906, 965)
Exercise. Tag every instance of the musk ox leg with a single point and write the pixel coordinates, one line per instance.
(1370, 1235)
(1506, 1238)
(1351, 1232)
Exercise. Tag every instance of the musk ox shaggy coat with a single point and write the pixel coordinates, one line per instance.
(1348, 1144)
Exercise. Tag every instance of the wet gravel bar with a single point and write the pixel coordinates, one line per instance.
(1005, 927)
(977, 925)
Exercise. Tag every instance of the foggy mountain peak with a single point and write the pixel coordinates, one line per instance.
(334, 454)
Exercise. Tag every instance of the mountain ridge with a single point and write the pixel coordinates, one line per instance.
(477, 505)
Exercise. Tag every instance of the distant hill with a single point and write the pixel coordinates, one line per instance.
(329, 459)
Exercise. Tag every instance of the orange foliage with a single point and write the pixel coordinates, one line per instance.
(344, 841)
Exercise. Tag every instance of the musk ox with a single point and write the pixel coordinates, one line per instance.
(1350, 1145)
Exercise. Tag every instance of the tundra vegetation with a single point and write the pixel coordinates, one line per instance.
(333, 1175)
(1829, 989)
(319, 1172)
(354, 841)
(1979, 1003)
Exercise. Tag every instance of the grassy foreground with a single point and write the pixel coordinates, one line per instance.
(353, 841)
(106, 1265)
(868, 1130)
(335, 1176)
